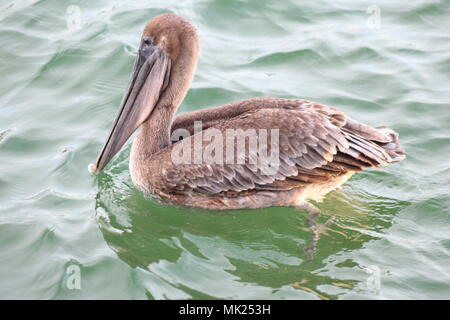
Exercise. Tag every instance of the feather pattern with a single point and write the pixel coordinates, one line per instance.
(315, 143)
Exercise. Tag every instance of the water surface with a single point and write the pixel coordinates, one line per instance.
(64, 67)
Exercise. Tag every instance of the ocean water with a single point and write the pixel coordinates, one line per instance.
(65, 234)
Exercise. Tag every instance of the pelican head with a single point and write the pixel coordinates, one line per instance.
(163, 70)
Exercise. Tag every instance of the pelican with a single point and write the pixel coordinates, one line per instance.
(312, 148)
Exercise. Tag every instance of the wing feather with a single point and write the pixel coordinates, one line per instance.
(315, 142)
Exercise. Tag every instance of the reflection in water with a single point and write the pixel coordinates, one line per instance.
(317, 229)
(266, 253)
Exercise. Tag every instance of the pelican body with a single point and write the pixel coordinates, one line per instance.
(313, 148)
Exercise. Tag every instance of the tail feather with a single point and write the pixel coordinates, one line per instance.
(392, 147)
(382, 136)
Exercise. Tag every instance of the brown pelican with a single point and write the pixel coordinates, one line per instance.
(313, 148)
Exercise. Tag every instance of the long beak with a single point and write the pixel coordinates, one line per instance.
(148, 81)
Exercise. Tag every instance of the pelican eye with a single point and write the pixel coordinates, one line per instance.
(147, 41)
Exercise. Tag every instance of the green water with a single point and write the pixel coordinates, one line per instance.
(63, 70)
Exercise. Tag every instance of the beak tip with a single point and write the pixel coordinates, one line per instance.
(93, 169)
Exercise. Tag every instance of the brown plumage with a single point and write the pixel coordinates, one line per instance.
(317, 148)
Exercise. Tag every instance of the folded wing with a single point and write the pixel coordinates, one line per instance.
(311, 142)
